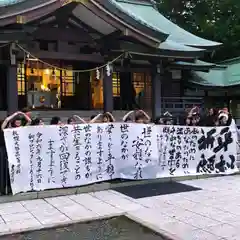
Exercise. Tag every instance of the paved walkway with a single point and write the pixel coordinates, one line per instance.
(212, 213)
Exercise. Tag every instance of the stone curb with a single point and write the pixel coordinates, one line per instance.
(94, 188)
(163, 233)
(58, 225)
(166, 235)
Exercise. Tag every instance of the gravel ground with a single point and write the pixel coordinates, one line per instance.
(120, 228)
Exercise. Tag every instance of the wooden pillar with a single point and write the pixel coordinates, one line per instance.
(156, 90)
(107, 90)
(127, 91)
(12, 90)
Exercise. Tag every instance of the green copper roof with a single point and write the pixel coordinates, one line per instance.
(165, 49)
(197, 63)
(9, 2)
(215, 77)
(148, 15)
(171, 45)
(231, 61)
(226, 76)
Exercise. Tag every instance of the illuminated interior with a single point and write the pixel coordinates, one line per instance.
(116, 84)
(141, 83)
(97, 90)
(42, 78)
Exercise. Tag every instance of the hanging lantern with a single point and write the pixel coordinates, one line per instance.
(97, 74)
(108, 70)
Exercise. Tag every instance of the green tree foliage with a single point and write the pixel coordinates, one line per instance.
(217, 20)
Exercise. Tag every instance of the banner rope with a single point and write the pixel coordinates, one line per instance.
(4, 45)
(63, 69)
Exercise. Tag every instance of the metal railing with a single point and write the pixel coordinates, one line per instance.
(174, 105)
(180, 104)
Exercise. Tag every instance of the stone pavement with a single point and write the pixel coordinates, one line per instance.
(212, 213)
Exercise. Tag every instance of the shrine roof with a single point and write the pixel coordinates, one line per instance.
(226, 74)
(171, 45)
(11, 7)
(177, 49)
(196, 65)
(147, 14)
(140, 15)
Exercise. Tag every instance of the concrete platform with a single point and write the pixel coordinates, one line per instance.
(212, 213)
(92, 188)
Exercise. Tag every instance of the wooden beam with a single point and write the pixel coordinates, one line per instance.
(18, 27)
(95, 58)
(40, 13)
(84, 25)
(119, 23)
(63, 14)
(110, 37)
(15, 36)
(45, 17)
(62, 34)
(154, 56)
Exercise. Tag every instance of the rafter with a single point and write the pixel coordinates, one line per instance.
(85, 26)
(63, 14)
(43, 19)
(110, 37)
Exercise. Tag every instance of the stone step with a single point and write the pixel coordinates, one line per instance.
(65, 114)
(50, 114)
(83, 114)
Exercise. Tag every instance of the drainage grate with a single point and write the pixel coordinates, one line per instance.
(155, 189)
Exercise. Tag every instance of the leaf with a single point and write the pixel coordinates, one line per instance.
(217, 20)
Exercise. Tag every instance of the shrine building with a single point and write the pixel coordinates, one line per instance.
(104, 55)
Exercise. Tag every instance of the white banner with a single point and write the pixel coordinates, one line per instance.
(46, 157)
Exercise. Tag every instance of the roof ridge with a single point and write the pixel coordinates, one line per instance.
(139, 2)
(230, 60)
